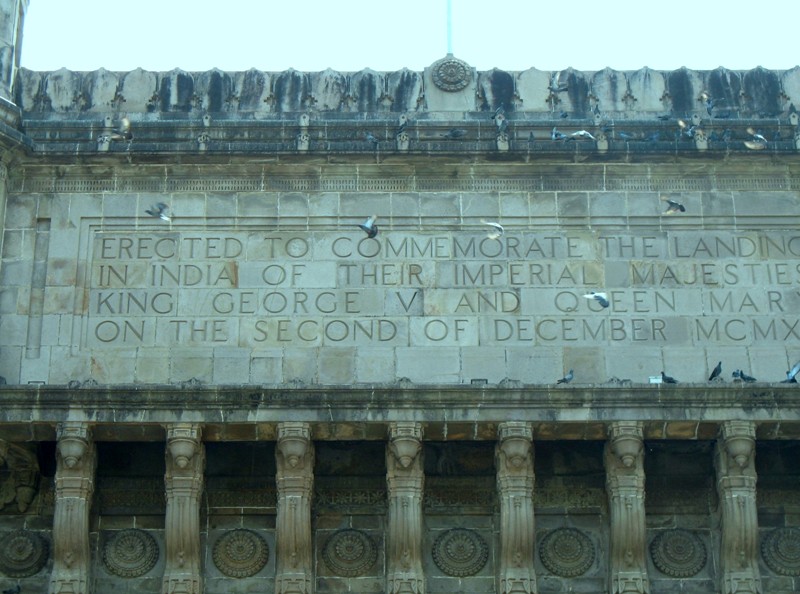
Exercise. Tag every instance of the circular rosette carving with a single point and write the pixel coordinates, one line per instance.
(781, 551)
(22, 553)
(130, 553)
(349, 553)
(451, 74)
(459, 552)
(240, 553)
(678, 553)
(567, 552)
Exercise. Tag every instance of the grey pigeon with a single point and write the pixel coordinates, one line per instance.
(672, 206)
(790, 375)
(741, 375)
(371, 138)
(567, 378)
(667, 379)
(758, 142)
(716, 372)
(500, 111)
(369, 227)
(556, 135)
(454, 133)
(159, 211)
(581, 135)
(401, 128)
(601, 298)
(625, 135)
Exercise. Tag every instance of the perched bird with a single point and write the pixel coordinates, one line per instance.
(581, 135)
(601, 298)
(741, 375)
(790, 375)
(401, 128)
(556, 135)
(159, 211)
(563, 115)
(567, 378)
(757, 142)
(497, 229)
(454, 133)
(667, 379)
(716, 372)
(665, 117)
(500, 111)
(124, 131)
(502, 126)
(672, 206)
(686, 129)
(709, 102)
(369, 227)
(371, 138)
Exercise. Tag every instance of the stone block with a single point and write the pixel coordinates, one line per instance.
(256, 206)
(185, 205)
(18, 244)
(480, 205)
(122, 206)
(337, 365)
(484, 363)
(21, 211)
(375, 365)
(428, 365)
(534, 366)
(10, 362)
(439, 209)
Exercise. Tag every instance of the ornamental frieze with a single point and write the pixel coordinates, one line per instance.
(460, 552)
(240, 553)
(23, 553)
(780, 550)
(350, 553)
(130, 553)
(567, 552)
(678, 553)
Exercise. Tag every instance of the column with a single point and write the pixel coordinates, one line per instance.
(186, 461)
(12, 17)
(405, 479)
(75, 472)
(734, 459)
(624, 461)
(515, 479)
(295, 482)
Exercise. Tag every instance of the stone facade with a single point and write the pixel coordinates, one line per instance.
(252, 394)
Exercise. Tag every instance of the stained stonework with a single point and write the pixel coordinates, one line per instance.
(240, 553)
(350, 553)
(780, 549)
(567, 552)
(678, 553)
(130, 553)
(23, 553)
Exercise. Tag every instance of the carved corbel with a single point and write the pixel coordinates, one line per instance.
(75, 471)
(405, 443)
(23, 479)
(736, 484)
(624, 462)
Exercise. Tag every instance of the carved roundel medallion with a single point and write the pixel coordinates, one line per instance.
(22, 553)
(781, 551)
(451, 74)
(567, 552)
(349, 553)
(240, 553)
(459, 552)
(130, 553)
(678, 553)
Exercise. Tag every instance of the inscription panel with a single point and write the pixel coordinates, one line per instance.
(265, 290)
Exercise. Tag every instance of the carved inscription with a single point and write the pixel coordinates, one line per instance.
(262, 289)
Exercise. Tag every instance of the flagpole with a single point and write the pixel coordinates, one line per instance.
(449, 27)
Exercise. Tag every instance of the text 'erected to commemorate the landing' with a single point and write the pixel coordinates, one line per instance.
(261, 289)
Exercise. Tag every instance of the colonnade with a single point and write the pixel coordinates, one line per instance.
(514, 456)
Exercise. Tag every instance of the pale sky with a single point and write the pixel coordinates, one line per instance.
(349, 35)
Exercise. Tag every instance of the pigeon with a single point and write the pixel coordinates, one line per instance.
(124, 131)
(555, 87)
(500, 111)
(581, 135)
(672, 206)
(567, 378)
(502, 126)
(556, 135)
(757, 142)
(665, 117)
(625, 135)
(709, 102)
(454, 133)
(497, 229)
(369, 227)
(667, 379)
(371, 138)
(401, 128)
(159, 211)
(601, 298)
(563, 115)
(790, 375)
(686, 129)
(741, 375)
(716, 372)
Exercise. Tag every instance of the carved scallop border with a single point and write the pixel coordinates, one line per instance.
(240, 553)
(460, 552)
(349, 553)
(567, 552)
(23, 553)
(678, 553)
(780, 549)
(130, 553)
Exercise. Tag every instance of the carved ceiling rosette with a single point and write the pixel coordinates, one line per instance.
(460, 552)
(240, 553)
(350, 553)
(23, 553)
(780, 549)
(567, 552)
(451, 74)
(678, 553)
(130, 553)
